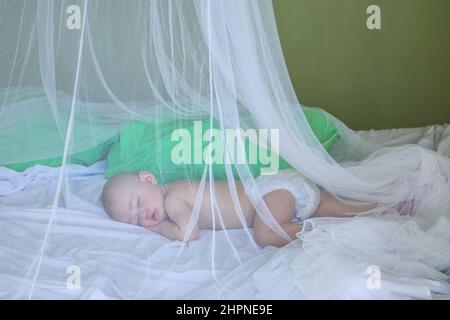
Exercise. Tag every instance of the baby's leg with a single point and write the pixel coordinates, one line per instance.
(281, 204)
(331, 207)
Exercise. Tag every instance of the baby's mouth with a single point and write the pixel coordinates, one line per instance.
(154, 215)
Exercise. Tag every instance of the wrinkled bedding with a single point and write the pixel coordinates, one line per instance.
(120, 261)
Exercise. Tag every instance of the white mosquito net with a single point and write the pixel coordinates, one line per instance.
(91, 89)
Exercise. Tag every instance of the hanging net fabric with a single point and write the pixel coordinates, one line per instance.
(192, 99)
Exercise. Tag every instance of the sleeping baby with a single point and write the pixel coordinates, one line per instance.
(166, 209)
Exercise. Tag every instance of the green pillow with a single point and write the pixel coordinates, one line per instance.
(35, 138)
(85, 158)
(152, 147)
(323, 127)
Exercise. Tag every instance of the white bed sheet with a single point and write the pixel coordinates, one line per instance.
(120, 261)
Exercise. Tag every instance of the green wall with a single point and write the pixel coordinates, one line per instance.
(398, 76)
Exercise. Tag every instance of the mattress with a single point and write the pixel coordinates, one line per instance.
(119, 261)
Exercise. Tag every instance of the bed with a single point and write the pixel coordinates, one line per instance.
(119, 261)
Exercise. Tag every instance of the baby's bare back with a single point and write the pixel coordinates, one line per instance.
(222, 202)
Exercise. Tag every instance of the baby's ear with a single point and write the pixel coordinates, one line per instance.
(146, 176)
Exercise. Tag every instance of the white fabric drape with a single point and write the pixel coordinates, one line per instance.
(157, 59)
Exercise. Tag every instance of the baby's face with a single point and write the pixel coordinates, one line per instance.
(139, 202)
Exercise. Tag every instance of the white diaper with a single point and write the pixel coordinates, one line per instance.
(305, 192)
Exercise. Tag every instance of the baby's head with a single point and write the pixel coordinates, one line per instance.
(134, 198)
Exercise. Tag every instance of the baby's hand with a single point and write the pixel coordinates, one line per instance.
(171, 230)
(154, 228)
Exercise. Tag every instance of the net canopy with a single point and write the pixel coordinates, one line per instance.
(194, 98)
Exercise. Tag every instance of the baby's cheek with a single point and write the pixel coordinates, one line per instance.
(154, 201)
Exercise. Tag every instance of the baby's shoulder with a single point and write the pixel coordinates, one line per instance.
(184, 187)
(182, 190)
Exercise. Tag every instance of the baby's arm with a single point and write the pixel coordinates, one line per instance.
(175, 227)
(168, 229)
